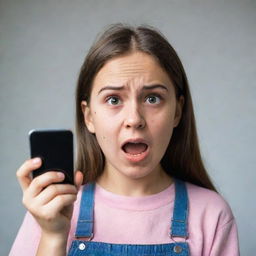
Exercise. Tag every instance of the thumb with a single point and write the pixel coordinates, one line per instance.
(78, 179)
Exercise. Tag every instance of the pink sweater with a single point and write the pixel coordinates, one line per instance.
(146, 220)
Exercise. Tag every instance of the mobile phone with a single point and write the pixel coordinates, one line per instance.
(55, 148)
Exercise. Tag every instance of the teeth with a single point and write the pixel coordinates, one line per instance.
(135, 154)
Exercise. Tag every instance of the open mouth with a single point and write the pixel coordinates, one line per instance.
(134, 148)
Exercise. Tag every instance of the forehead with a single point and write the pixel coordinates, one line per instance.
(136, 67)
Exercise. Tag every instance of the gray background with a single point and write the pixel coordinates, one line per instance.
(43, 44)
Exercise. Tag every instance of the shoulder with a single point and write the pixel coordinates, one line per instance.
(208, 204)
(212, 227)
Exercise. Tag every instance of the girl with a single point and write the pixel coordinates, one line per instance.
(146, 190)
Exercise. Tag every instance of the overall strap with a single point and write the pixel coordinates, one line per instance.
(85, 221)
(179, 224)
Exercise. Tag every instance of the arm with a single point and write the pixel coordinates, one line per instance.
(52, 245)
(28, 237)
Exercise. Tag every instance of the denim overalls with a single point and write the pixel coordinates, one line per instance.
(178, 228)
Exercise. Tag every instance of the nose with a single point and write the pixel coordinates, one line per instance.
(134, 118)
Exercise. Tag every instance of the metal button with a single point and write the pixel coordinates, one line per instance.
(177, 249)
(81, 246)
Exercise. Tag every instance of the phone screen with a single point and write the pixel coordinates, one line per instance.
(55, 148)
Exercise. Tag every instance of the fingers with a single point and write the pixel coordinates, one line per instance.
(43, 190)
(60, 196)
(51, 199)
(50, 203)
(54, 190)
(23, 173)
(42, 181)
(58, 203)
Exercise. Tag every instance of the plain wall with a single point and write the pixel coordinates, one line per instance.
(43, 44)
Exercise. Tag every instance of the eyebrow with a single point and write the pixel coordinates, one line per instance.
(145, 87)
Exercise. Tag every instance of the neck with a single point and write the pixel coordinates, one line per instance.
(118, 183)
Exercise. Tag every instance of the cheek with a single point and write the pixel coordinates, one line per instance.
(161, 127)
(105, 130)
(164, 129)
(103, 139)
(106, 120)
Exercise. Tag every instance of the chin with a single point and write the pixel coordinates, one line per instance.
(136, 173)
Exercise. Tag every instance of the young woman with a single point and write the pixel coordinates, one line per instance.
(146, 191)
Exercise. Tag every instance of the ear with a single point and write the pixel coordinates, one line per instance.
(179, 107)
(87, 116)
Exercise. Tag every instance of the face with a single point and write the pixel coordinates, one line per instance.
(132, 112)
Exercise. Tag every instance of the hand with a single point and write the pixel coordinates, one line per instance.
(50, 204)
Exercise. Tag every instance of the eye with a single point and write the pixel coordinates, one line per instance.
(113, 100)
(153, 99)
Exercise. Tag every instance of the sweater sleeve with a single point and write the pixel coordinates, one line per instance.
(27, 239)
(226, 240)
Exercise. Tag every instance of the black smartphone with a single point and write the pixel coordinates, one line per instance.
(55, 148)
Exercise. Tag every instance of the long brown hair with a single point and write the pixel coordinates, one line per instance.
(182, 158)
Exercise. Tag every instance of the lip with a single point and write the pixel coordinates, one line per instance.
(139, 157)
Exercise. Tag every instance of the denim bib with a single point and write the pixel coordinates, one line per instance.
(178, 228)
